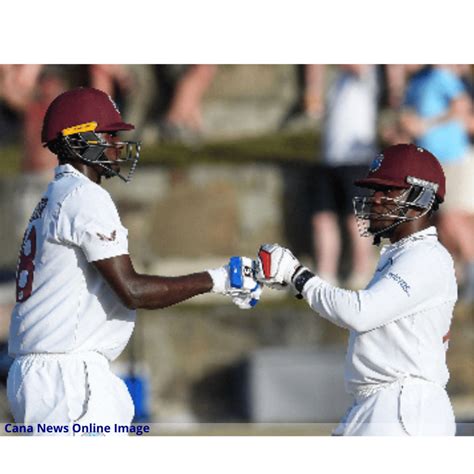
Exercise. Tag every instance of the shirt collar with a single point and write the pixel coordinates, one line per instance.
(67, 169)
(428, 233)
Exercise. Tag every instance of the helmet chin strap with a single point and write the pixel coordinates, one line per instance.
(107, 171)
(379, 234)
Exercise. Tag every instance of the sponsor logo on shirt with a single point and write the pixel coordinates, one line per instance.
(403, 284)
(104, 238)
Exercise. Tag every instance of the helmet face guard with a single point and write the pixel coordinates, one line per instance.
(407, 167)
(84, 143)
(420, 195)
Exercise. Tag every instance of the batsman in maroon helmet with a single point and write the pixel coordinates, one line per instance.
(399, 324)
(77, 289)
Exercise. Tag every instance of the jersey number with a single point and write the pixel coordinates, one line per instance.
(26, 267)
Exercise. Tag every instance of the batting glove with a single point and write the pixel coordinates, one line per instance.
(237, 280)
(248, 301)
(278, 268)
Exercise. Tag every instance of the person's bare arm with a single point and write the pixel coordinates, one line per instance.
(396, 83)
(416, 126)
(459, 109)
(147, 291)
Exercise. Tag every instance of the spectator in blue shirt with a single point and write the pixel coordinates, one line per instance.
(434, 115)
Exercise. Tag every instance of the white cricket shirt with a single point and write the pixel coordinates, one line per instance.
(399, 324)
(350, 125)
(63, 304)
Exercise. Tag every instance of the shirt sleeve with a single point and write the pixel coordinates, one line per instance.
(89, 219)
(450, 85)
(406, 287)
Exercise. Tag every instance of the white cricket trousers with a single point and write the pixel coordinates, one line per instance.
(63, 389)
(407, 407)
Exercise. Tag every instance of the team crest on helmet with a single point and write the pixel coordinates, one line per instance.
(376, 163)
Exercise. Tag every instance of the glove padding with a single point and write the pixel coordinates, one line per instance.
(276, 266)
(237, 280)
(244, 301)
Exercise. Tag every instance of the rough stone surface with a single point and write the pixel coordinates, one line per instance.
(248, 99)
(201, 210)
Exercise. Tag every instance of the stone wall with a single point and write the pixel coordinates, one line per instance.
(248, 99)
(200, 211)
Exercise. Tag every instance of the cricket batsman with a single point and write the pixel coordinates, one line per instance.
(399, 324)
(77, 290)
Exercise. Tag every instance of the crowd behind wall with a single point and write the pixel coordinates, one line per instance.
(356, 109)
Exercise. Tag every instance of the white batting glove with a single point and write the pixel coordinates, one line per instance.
(237, 280)
(277, 266)
(248, 301)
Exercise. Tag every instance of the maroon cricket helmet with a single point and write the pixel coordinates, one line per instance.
(396, 163)
(79, 106)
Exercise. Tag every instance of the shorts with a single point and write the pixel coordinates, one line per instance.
(332, 188)
(459, 185)
(64, 389)
(408, 407)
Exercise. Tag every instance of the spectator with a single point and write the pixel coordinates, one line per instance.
(395, 78)
(17, 86)
(436, 111)
(466, 74)
(183, 121)
(349, 143)
(18, 82)
(309, 103)
(133, 86)
(36, 158)
(107, 76)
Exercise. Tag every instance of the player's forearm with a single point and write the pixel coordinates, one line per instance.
(337, 305)
(148, 291)
(154, 292)
(359, 311)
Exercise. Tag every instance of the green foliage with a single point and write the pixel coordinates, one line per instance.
(300, 146)
(10, 157)
(276, 147)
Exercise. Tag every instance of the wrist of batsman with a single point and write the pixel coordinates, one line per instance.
(300, 276)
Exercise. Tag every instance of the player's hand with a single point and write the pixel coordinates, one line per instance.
(237, 280)
(276, 266)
